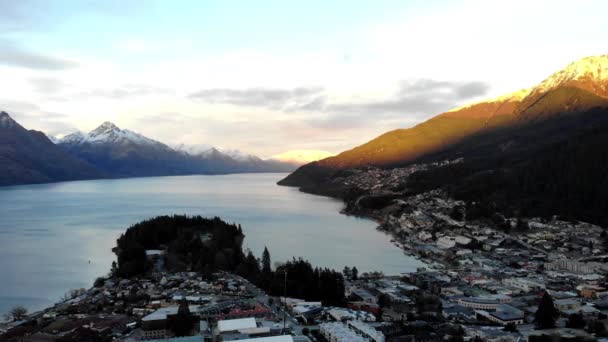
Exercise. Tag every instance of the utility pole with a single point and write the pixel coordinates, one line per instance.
(285, 303)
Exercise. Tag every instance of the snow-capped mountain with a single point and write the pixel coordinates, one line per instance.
(563, 103)
(109, 133)
(125, 153)
(580, 86)
(192, 150)
(239, 155)
(204, 150)
(590, 73)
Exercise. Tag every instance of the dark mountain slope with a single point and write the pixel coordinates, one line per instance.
(563, 174)
(30, 157)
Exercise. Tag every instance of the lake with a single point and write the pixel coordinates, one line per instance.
(59, 236)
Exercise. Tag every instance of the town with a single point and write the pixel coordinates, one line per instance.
(503, 279)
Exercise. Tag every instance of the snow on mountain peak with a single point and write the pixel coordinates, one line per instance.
(74, 138)
(108, 133)
(192, 150)
(237, 154)
(594, 68)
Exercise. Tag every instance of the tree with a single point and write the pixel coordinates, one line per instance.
(547, 314)
(181, 324)
(266, 261)
(99, 281)
(597, 327)
(384, 301)
(305, 331)
(346, 272)
(17, 313)
(576, 321)
(354, 273)
(73, 293)
(510, 327)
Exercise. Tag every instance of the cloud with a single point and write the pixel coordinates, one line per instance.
(30, 116)
(416, 97)
(13, 54)
(46, 85)
(278, 99)
(128, 90)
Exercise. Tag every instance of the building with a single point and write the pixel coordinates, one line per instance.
(506, 314)
(574, 266)
(231, 325)
(353, 332)
(446, 242)
(154, 325)
(364, 296)
(489, 303)
(366, 331)
(523, 284)
(567, 304)
(592, 291)
(342, 314)
(282, 338)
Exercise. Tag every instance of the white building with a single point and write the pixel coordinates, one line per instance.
(354, 331)
(446, 242)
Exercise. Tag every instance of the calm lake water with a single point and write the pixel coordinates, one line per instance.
(56, 237)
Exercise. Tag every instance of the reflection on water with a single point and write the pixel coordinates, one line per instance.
(56, 237)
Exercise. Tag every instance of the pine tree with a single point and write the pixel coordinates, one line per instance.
(576, 321)
(354, 273)
(181, 324)
(547, 314)
(266, 261)
(346, 272)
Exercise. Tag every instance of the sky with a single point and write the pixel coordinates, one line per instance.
(268, 77)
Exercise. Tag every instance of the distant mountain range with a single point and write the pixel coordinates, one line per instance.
(540, 150)
(111, 152)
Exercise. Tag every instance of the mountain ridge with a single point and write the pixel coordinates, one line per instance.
(125, 153)
(28, 156)
(106, 152)
(579, 87)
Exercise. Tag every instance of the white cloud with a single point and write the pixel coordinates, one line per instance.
(506, 45)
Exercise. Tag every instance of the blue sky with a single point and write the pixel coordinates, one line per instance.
(271, 76)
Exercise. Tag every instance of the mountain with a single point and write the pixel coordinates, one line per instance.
(124, 153)
(30, 157)
(536, 152)
(53, 138)
(225, 160)
(578, 88)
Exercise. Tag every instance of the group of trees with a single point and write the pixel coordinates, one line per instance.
(191, 243)
(17, 313)
(547, 314)
(307, 282)
(351, 273)
(207, 245)
(556, 176)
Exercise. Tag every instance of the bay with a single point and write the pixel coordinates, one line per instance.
(56, 237)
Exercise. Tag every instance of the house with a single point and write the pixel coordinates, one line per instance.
(591, 291)
(363, 296)
(567, 304)
(446, 242)
(506, 314)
